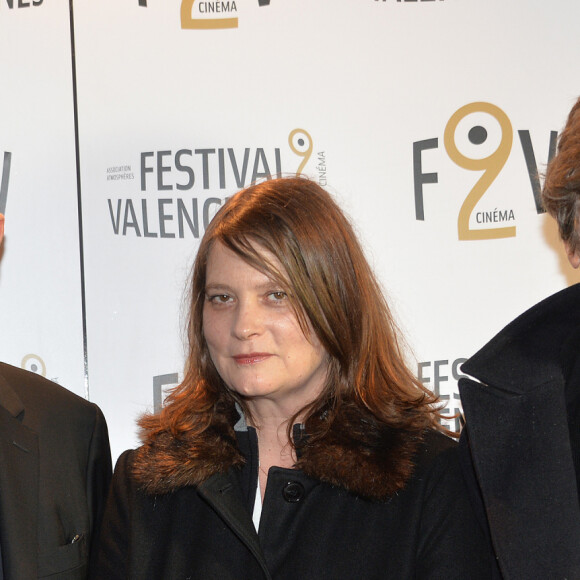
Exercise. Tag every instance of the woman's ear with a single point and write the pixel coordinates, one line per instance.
(573, 255)
(1, 227)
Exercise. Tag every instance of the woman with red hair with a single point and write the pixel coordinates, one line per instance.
(299, 444)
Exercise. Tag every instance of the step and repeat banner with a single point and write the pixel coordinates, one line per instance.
(125, 125)
(41, 324)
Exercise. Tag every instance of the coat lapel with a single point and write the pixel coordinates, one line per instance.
(221, 492)
(523, 460)
(19, 473)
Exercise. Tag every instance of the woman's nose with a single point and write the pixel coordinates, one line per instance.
(248, 321)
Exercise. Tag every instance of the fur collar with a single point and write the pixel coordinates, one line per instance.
(354, 452)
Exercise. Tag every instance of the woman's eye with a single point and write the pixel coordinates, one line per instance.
(278, 296)
(219, 298)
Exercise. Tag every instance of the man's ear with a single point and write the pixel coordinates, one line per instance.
(1, 227)
(573, 255)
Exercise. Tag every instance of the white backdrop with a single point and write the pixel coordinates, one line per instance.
(176, 112)
(40, 289)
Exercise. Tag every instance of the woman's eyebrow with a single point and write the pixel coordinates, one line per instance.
(259, 286)
(216, 286)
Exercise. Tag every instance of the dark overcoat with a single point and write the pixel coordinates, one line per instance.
(309, 529)
(55, 468)
(522, 441)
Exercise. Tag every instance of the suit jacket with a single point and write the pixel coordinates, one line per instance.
(55, 468)
(523, 435)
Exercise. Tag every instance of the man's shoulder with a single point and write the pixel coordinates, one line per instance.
(35, 391)
(530, 346)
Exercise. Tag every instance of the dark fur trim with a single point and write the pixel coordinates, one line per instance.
(167, 463)
(361, 455)
(354, 452)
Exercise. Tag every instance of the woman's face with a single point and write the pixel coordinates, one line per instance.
(253, 335)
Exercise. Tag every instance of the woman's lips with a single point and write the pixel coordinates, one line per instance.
(251, 358)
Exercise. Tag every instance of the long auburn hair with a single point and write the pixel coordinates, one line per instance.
(561, 191)
(331, 286)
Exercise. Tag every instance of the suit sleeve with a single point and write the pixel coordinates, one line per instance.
(98, 475)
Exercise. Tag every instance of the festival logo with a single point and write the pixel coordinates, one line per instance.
(479, 137)
(209, 14)
(23, 3)
(162, 384)
(34, 364)
(441, 377)
(165, 207)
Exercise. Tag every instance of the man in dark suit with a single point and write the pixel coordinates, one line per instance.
(521, 446)
(55, 469)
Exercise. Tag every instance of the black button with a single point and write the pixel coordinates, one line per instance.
(293, 491)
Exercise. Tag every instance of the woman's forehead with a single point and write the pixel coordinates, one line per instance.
(224, 263)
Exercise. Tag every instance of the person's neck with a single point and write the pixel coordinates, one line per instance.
(271, 422)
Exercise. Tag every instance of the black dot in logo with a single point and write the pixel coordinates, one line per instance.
(300, 142)
(477, 135)
(33, 368)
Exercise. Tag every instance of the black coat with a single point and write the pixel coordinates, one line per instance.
(55, 468)
(308, 529)
(522, 442)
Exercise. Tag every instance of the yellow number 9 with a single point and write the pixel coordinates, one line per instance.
(491, 165)
(304, 148)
